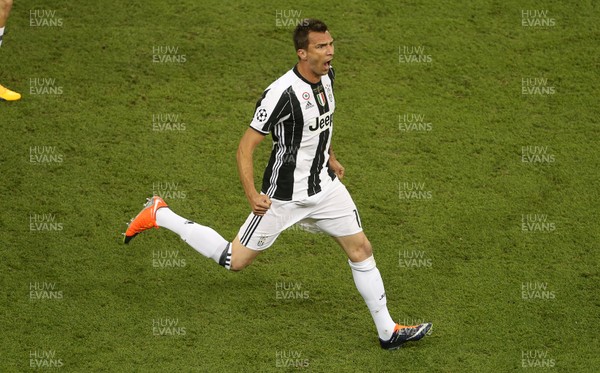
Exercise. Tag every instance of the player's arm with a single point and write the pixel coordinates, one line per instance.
(259, 203)
(335, 165)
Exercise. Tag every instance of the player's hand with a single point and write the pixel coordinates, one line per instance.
(260, 203)
(337, 168)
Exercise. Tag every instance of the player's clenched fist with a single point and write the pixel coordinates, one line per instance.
(260, 204)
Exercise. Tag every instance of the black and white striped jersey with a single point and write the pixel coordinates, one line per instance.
(299, 116)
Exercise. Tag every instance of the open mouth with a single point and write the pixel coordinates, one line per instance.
(327, 64)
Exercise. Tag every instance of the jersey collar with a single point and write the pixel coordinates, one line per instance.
(295, 69)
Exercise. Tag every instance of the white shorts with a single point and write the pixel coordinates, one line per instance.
(331, 211)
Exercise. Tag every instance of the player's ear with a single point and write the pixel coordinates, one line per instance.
(301, 54)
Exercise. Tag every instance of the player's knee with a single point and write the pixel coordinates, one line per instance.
(365, 248)
(6, 5)
(241, 256)
(360, 250)
(238, 264)
(240, 260)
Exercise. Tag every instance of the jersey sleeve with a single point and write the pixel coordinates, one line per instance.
(271, 108)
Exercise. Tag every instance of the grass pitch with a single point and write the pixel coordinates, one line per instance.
(469, 133)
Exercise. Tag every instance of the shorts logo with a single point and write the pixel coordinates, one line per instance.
(261, 241)
(306, 95)
(261, 115)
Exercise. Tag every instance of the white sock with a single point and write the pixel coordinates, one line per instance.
(1, 33)
(203, 239)
(370, 285)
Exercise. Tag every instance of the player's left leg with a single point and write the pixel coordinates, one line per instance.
(338, 216)
(369, 283)
(368, 280)
(5, 6)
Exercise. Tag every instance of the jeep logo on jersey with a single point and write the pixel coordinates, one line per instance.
(322, 122)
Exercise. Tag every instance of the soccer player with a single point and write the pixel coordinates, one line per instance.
(5, 6)
(301, 182)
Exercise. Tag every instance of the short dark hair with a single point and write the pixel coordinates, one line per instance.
(304, 27)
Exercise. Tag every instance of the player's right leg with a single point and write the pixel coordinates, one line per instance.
(205, 240)
(5, 6)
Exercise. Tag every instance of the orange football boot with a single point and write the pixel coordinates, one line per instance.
(146, 219)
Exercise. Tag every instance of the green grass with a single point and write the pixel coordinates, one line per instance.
(470, 230)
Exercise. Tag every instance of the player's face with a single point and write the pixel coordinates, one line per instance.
(320, 52)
